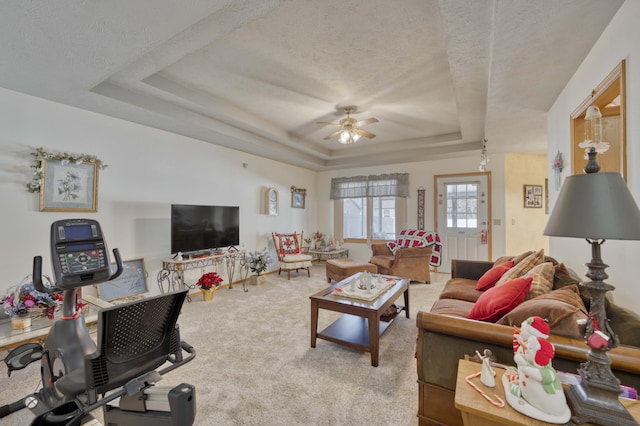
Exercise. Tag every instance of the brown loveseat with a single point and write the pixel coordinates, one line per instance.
(445, 335)
(409, 262)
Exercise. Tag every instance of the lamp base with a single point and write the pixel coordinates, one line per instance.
(597, 406)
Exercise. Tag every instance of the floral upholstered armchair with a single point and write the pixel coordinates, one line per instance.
(289, 250)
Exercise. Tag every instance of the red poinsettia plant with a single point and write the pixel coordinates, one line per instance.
(209, 280)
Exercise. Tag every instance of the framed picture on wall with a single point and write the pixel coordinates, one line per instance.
(533, 196)
(297, 197)
(69, 187)
(132, 281)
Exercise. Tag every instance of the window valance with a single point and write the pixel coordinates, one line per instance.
(386, 185)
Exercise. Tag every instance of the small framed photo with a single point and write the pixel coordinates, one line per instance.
(69, 187)
(297, 197)
(132, 281)
(533, 196)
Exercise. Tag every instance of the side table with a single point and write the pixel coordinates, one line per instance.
(318, 255)
(477, 411)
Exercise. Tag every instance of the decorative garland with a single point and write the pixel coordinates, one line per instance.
(64, 157)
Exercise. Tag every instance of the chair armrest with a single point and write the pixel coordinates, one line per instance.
(470, 269)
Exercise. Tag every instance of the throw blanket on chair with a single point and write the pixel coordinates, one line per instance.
(419, 238)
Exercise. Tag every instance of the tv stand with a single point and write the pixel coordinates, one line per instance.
(171, 276)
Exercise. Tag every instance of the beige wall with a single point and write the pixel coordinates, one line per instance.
(524, 226)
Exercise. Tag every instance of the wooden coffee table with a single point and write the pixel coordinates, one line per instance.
(360, 327)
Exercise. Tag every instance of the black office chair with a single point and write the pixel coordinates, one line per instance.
(134, 339)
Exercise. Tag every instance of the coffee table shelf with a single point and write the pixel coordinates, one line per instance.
(351, 331)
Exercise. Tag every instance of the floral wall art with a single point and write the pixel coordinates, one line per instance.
(65, 181)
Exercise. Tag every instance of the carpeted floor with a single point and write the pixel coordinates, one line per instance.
(255, 365)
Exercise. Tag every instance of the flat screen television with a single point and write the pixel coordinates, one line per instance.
(198, 228)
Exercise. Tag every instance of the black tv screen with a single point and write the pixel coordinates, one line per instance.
(198, 228)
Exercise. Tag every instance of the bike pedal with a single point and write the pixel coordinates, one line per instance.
(22, 356)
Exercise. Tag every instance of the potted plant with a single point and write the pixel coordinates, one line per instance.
(258, 262)
(23, 301)
(209, 283)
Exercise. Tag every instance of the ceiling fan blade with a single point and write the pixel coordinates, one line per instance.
(326, 123)
(364, 133)
(333, 135)
(370, 120)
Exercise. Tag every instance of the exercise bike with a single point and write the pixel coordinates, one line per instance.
(117, 372)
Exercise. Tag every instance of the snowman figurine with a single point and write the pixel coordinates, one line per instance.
(535, 390)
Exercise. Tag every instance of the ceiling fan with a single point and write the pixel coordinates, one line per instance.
(349, 128)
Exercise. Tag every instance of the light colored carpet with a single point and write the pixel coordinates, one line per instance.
(255, 366)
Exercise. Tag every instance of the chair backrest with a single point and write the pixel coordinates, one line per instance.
(134, 338)
(287, 243)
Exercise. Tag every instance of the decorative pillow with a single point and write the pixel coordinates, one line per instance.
(491, 277)
(499, 300)
(289, 243)
(561, 308)
(542, 283)
(563, 276)
(522, 267)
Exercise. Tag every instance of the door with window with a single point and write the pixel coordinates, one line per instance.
(462, 217)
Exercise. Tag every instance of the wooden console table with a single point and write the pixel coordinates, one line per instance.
(476, 411)
(171, 276)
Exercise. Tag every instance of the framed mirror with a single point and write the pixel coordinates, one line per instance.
(609, 97)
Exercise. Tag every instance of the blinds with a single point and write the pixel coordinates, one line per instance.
(386, 185)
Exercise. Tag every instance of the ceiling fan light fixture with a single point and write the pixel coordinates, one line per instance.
(348, 137)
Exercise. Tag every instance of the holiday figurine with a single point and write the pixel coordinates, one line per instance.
(487, 374)
(535, 390)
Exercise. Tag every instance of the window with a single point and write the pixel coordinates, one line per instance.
(462, 205)
(369, 207)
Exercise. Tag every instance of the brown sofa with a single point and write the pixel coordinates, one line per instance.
(409, 262)
(445, 335)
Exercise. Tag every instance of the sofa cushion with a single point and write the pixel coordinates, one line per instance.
(491, 277)
(542, 283)
(522, 267)
(563, 276)
(461, 289)
(561, 308)
(458, 308)
(498, 300)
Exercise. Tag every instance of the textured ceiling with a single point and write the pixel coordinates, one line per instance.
(257, 75)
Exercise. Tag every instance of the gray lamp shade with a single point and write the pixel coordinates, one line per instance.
(595, 206)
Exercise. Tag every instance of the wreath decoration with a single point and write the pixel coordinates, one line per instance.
(40, 154)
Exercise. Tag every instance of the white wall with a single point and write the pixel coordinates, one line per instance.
(619, 41)
(420, 174)
(147, 171)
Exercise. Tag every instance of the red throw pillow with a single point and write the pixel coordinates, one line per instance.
(491, 277)
(497, 301)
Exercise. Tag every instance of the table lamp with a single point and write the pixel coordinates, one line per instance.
(596, 206)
